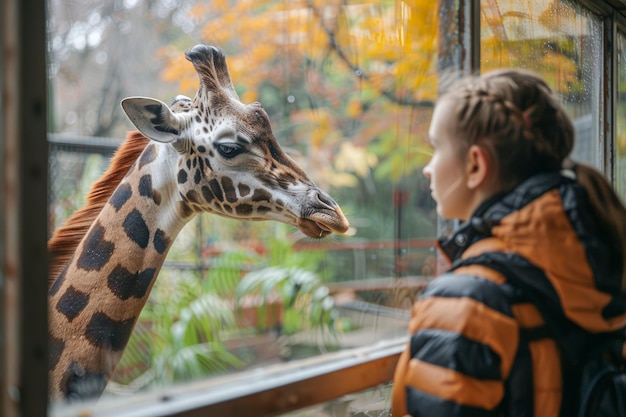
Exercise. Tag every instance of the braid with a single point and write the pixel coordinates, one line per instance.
(516, 119)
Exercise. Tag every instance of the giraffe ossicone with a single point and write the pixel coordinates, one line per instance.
(212, 154)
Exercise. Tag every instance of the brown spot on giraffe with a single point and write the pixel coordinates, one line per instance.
(72, 302)
(145, 186)
(106, 258)
(148, 156)
(161, 241)
(207, 194)
(55, 348)
(121, 196)
(105, 332)
(58, 282)
(96, 251)
(229, 190)
(244, 190)
(136, 228)
(125, 284)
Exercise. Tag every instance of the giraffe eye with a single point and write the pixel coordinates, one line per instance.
(229, 150)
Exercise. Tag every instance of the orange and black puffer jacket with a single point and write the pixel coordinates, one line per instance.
(478, 346)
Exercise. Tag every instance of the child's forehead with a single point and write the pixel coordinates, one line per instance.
(444, 115)
(446, 103)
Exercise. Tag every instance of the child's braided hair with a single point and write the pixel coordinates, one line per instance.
(517, 118)
(519, 121)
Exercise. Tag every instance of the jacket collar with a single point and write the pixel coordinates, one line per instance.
(491, 211)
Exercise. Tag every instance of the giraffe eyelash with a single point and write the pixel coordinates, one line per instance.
(229, 150)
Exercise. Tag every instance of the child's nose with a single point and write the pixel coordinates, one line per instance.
(426, 170)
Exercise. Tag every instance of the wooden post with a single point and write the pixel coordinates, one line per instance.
(23, 209)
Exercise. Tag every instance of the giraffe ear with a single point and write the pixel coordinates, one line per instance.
(152, 118)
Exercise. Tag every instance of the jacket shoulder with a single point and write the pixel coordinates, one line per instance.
(462, 344)
(479, 288)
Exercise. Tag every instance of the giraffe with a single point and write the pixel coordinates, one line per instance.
(211, 154)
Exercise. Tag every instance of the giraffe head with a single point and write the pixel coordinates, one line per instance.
(229, 162)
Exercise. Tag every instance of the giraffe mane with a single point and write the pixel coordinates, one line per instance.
(66, 238)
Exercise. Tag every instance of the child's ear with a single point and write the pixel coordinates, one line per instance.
(478, 167)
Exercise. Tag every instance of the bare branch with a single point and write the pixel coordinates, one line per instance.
(359, 72)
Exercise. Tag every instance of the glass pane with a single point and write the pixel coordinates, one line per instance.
(620, 122)
(563, 43)
(348, 87)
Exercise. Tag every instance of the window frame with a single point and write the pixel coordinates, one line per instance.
(23, 213)
(268, 391)
(23, 228)
(620, 28)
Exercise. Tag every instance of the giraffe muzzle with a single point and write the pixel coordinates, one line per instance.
(322, 217)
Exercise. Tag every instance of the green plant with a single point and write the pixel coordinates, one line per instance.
(306, 301)
(178, 336)
(290, 277)
(226, 271)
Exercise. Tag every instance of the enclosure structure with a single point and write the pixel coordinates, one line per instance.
(253, 319)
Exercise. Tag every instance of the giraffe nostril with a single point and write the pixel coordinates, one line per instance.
(326, 200)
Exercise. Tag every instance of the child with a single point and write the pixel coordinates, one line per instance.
(478, 346)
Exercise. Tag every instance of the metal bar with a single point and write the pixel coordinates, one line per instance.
(608, 113)
(469, 27)
(364, 245)
(85, 144)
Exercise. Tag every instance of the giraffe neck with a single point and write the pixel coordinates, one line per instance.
(97, 298)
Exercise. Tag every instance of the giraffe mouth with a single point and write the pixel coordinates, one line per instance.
(314, 229)
(321, 225)
(324, 230)
(321, 216)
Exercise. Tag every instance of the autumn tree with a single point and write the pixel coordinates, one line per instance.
(101, 52)
(327, 71)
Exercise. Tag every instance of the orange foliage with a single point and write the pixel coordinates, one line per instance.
(355, 70)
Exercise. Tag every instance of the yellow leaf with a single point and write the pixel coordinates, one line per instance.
(354, 108)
